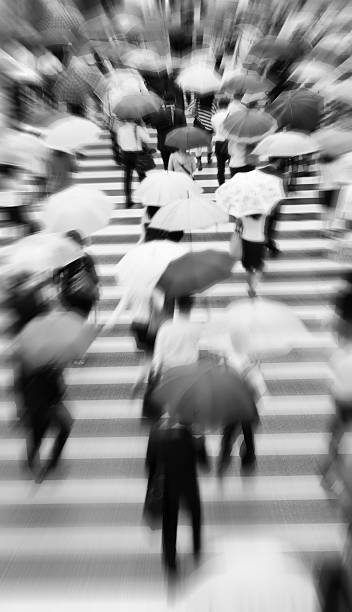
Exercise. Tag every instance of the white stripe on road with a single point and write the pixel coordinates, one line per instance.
(132, 490)
(134, 447)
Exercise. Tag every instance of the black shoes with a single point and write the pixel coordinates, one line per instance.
(129, 204)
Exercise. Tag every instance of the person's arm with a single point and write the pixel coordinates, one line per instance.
(144, 135)
(159, 352)
(171, 166)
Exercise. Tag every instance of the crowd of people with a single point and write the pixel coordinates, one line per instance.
(259, 185)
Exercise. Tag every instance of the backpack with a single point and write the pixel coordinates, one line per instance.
(81, 286)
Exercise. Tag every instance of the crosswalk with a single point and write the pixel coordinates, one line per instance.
(82, 529)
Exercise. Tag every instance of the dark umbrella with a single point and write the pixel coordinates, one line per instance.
(300, 109)
(205, 394)
(195, 272)
(187, 138)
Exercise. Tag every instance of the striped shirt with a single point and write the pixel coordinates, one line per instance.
(204, 115)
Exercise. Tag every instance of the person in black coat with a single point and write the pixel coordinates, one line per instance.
(164, 121)
(41, 392)
(172, 449)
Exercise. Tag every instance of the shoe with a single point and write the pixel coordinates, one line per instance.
(209, 158)
(252, 293)
(42, 475)
(199, 165)
(248, 464)
(129, 204)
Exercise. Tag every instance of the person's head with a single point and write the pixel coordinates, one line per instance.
(238, 96)
(185, 304)
(279, 163)
(76, 237)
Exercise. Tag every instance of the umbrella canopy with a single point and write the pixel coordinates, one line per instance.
(245, 81)
(249, 125)
(343, 91)
(145, 60)
(54, 338)
(334, 141)
(136, 106)
(71, 134)
(187, 138)
(250, 193)
(143, 265)
(195, 272)
(205, 394)
(312, 71)
(199, 78)
(286, 144)
(78, 208)
(162, 187)
(43, 119)
(41, 253)
(300, 109)
(265, 327)
(189, 214)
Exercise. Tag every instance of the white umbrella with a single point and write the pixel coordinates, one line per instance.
(142, 266)
(199, 78)
(78, 208)
(189, 214)
(71, 134)
(30, 149)
(286, 144)
(144, 59)
(265, 326)
(40, 253)
(162, 187)
(250, 193)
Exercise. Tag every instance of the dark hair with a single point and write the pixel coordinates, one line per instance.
(185, 303)
(8, 170)
(152, 210)
(223, 102)
(76, 237)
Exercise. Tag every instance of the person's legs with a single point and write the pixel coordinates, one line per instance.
(247, 451)
(35, 434)
(169, 532)
(221, 159)
(129, 164)
(62, 420)
(270, 226)
(229, 435)
(165, 156)
(192, 502)
(198, 152)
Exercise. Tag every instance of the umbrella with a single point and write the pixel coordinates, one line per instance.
(26, 146)
(270, 47)
(341, 169)
(205, 394)
(249, 125)
(136, 106)
(199, 78)
(54, 338)
(265, 326)
(286, 144)
(186, 215)
(71, 133)
(334, 141)
(145, 60)
(127, 24)
(312, 71)
(78, 208)
(300, 109)
(143, 265)
(343, 91)
(194, 272)
(43, 119)
(187, 138)
(162, 187)
(41, 253)
(250, 193)
(245, 81)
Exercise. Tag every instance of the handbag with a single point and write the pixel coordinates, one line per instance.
(154, 500)
(151, 410)
(81, 286)
(145, 161)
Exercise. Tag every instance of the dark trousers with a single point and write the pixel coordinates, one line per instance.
(270, 226)
(165, 156)
(59, 419)
(18, 216)
(188, 494)
(130, 164)
(229, 436)
(221, 158)
(246, 168)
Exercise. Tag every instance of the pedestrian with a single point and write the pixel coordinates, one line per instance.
(204, 108)
(252, 231)
(172, 455)
(164, 121)
(238, 153)
(24, 300)
(177, 344)
(182, 161)
(15, 196)
(329, 192)
(42, 391)
(341, 391)
(131, 138)
(220, 139)
(78, 281)
(61, 167)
